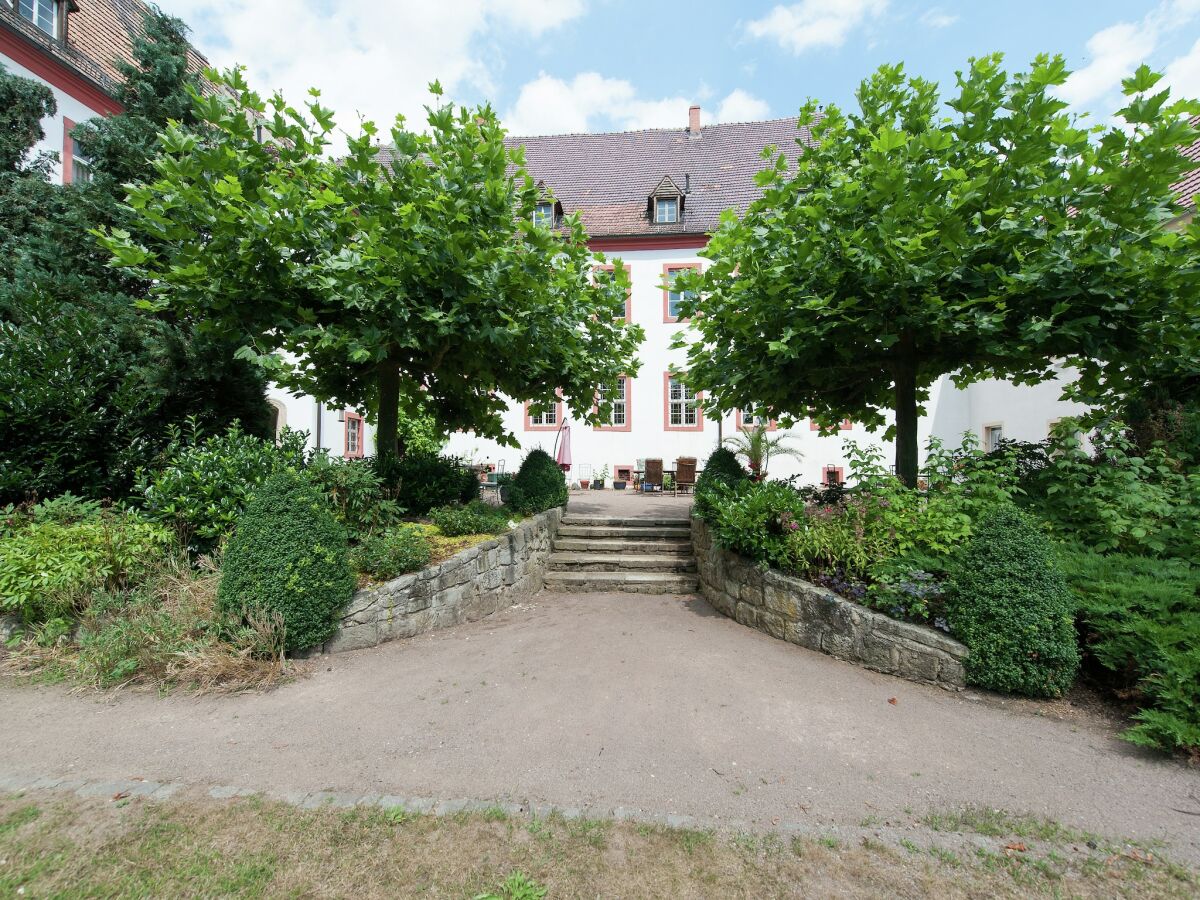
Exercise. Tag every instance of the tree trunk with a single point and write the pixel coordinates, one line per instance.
(387, 430)
(905, 374)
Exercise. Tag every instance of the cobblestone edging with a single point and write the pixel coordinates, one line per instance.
(802, 613)
(468, 586)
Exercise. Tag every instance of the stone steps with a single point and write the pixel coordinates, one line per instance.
(668, 547)
(622, 582)
(561, 561)
(625, 531)
(611, 554)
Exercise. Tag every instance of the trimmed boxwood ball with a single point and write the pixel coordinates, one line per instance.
(288, 556)
(1010, 604)
(538, 485)
(722, 466)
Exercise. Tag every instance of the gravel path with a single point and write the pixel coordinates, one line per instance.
(605, 701)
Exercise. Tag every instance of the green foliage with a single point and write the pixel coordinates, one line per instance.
(394, 552)
(539, 484)
(910, 241)
(756, 445)
(288, 557)
(355, 490)
(90, 384)
(204, 486)
(419, 482)
(51, 565)
(476, 517)
(756, 519)
(721, 467)
(1117, 499)
(1009, 603)
(1141, 622)
(377, 284)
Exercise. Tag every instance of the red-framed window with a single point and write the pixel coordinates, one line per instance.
(832, 475)
(672, 298)
(549, 419)
(681, 406)
(747, 418)
(628, 293)
(355, 446)
(621, 416)
(846, 425)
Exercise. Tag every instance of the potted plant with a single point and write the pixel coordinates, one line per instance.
(598, 483)
(619, 484)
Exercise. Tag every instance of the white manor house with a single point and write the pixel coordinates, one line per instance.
(648, 200)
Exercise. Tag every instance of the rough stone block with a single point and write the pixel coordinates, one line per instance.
(355, 637)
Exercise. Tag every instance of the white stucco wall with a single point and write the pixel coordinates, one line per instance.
(302, 413)
(68, 108)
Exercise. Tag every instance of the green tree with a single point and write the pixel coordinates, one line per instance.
(89, 384)
(381, 278)
(994, 236)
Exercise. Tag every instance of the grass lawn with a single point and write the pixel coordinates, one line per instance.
(60, 845)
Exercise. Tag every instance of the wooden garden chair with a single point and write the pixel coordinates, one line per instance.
(685, 474)
(654, 474)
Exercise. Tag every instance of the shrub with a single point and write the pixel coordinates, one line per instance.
(1140, 620)
(354, 490)
(402, 549)
(539, 484)
(420, 481)
(205, 485)
(756, 519)
(721, 466)
(288, 557)
(49, 568)
(475, 518)
(1116, 498)
(1009, 603)
(163, 631)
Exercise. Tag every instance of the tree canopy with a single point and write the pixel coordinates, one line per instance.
(89, 384)
(384, 279)
(992, 235)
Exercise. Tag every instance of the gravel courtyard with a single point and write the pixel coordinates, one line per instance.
(609, 702)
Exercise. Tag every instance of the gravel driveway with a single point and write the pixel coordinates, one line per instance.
(604, 701)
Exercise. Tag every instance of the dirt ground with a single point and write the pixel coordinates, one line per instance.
(611, 703)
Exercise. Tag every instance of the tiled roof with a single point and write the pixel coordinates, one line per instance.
(1189, 187)
(99, 32)
(608, 178)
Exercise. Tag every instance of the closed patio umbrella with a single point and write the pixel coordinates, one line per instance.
(563, 456)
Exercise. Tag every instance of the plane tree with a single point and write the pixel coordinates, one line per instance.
(988, 235)
(408, 277)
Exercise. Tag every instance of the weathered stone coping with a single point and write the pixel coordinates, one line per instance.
(473, 583)
(802, 613)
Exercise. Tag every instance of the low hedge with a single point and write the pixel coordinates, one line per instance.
(393, 552)
(288, 558)
(474, 518)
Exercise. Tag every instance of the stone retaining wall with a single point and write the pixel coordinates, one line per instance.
(798, 611)
(468, 586)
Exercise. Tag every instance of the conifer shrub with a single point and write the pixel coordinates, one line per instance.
(723, 466)
(1009, 602)
(538, 485)
(289, 559)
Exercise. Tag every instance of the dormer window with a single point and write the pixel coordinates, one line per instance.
(42, 13)
(543, 214)
(664, 206)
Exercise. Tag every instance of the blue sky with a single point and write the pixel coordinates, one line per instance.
(574, 65)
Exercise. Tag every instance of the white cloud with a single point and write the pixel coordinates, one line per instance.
(938, 18)
(814, 23)
(740, 106)
(1182, 75)
(1118, 50)
(591, 102)
(366, 57)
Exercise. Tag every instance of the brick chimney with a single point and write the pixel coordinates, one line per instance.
(694, 121)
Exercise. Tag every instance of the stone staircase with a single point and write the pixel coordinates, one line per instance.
(640, 556)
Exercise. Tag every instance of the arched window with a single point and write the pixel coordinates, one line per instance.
(278, 417)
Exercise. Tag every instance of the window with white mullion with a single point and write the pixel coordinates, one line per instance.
(682, 403)
(617, 396)
(42, 13)
(547, 417)
(753, 419)
(666, 210)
